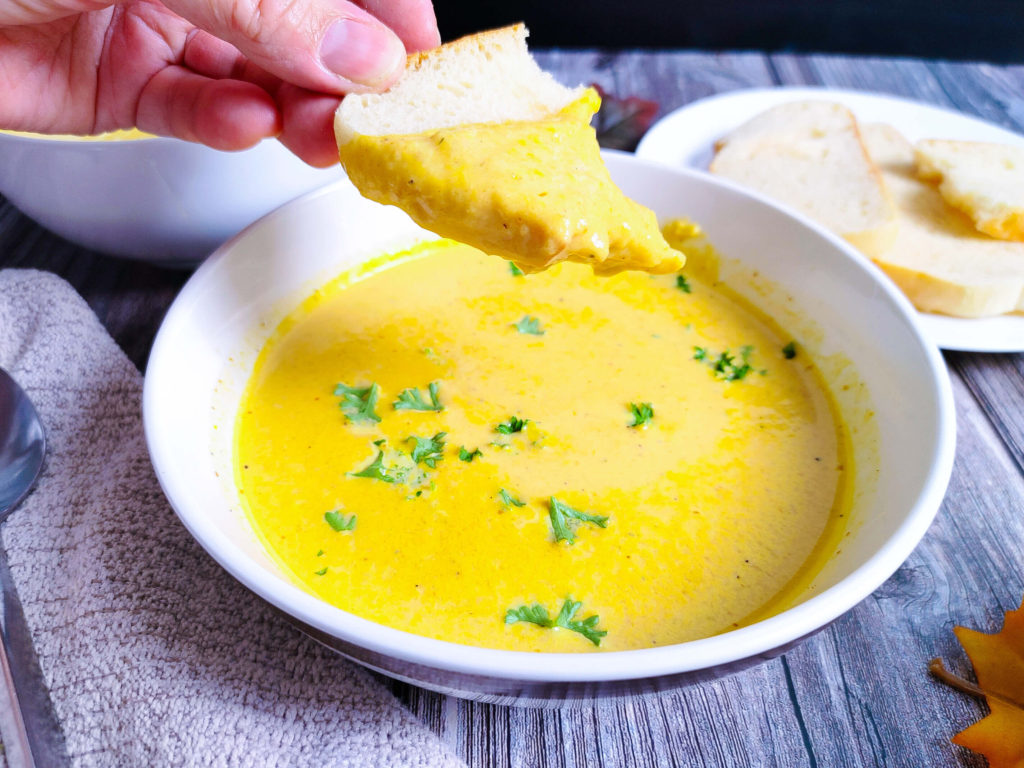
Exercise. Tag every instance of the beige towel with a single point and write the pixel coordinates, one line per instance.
(154, 656)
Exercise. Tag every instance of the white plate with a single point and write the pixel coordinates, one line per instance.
(686, 137)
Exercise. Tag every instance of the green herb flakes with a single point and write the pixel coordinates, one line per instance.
(683, 284)
(789, 351)
(514, 424)
(726, 366)
(642, 413)
(538, 614)
(357, 403)
(321, 572)
(514, 269)
(377, 470)
(468, 456)
(509, 500)
(561, 516)
(412, 400)
(428, 450)
(529, 325)
(339, 522)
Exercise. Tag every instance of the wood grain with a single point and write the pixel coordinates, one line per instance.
(856, 694)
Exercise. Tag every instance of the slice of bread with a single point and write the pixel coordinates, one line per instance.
(985, 181)
(809, 155)
(489, 77)
(477, 143)
(938, 259)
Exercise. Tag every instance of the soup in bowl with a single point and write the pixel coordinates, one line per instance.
(476, 480)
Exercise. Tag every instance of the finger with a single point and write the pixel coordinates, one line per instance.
(223, 114)
(412, 20)
(219, 60)
(308, 125)
(331, 46)
(14, 14)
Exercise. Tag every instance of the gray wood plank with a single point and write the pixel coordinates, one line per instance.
(997, 382)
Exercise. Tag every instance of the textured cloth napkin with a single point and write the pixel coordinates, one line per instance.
(153, 655)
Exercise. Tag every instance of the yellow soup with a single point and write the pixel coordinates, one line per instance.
(551, 462)
(126, 134)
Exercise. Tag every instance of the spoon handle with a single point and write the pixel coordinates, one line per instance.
(12, 726)
(37, 733)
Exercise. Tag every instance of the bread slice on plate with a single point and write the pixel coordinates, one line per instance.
(938, 259)
(477, 143)
(809, 155)
(985, 181)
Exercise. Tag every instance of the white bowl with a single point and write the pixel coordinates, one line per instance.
(890, 384)
(155, 199)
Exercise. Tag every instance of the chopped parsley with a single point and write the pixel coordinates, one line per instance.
(515, 270)
(509, 500)
(412, 400)
(321, 572)
(357, 403)
(376, 470)
(468, 456)
(514, 424)
(642, 413)
(339, 522)
(789, 351)
(561, 515)
(538, 614)
(683, 284)
(529, 325)
(428, 450)
(726, 366)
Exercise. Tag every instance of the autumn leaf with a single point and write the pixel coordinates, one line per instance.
(998, 661)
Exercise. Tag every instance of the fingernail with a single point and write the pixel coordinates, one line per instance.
(363, 53)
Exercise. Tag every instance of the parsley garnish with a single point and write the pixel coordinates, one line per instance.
(516, 271)
(428, 450)
(530, 325)
(642, 413)
(514, 424)
(683, 284)
(538, 614)
(468, 456)
(509, 500)
(377, 471)
(789, 351)
(725, 365)
(357, 403)
(412, 400)
(339, 522)
(561, 514)
(321, 572)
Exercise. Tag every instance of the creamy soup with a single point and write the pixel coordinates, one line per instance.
(549, 462)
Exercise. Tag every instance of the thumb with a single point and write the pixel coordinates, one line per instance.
(330, 46)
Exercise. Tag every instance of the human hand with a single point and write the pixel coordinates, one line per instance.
(226, 73)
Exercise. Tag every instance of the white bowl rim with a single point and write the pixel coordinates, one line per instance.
(754, 640)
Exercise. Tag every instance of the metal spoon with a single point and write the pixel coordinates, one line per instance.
(31, 736)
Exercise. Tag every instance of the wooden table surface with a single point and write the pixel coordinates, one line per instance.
(856, 694)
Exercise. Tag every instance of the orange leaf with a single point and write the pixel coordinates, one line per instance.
(999, 666)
